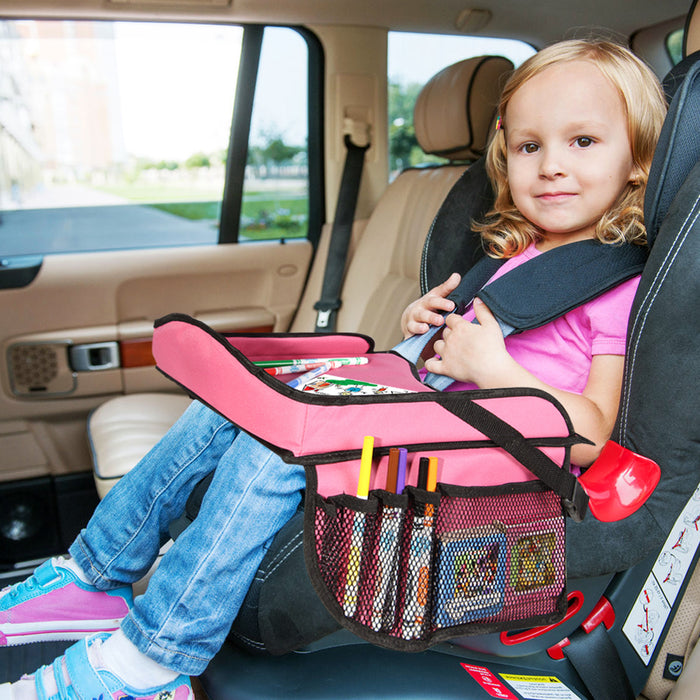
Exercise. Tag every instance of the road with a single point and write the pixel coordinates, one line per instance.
(30, 231)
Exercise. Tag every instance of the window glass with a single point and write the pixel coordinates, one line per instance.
(413, 59)
(275, 191)
(115, 134)
(674, 45)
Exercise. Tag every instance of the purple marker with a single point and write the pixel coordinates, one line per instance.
(401, 471)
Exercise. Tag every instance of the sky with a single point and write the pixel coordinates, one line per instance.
(416, 58)
(173, 106)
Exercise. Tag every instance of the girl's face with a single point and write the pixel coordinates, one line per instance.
(568, 152)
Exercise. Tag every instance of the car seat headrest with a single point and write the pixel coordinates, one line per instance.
(691, 38)
(456, 109)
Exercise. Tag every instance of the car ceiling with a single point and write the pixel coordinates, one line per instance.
(538, 22)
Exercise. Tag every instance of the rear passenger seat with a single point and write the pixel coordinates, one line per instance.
(453, 116)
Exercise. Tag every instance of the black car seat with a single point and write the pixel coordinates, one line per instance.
(453, 116)
(681, 643)
(637, 561)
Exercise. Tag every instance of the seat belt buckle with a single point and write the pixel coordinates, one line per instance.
(577, 504)
(324, 311)
(323, 317)
(603, 613)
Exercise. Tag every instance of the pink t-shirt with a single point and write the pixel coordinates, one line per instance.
(560, 352)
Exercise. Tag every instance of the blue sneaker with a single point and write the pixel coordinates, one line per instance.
(75, 678)
(54, 604)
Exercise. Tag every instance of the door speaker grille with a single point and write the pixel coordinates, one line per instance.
(34, 366)
(39, 368)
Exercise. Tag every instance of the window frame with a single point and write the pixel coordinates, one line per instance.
(239, 142)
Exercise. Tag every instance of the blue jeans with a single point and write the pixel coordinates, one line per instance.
(194, 595)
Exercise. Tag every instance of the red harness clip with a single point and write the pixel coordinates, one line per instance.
(602, 612)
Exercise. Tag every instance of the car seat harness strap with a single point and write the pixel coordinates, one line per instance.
(536, 292)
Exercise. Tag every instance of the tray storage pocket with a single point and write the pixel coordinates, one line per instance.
(406, 571)
(500, 557)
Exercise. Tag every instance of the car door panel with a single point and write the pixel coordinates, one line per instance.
(101, 306)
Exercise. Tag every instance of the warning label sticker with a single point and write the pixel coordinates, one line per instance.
(649, 614)
(539, 687)
(488, 682)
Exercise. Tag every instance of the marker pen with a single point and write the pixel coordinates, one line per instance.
(423, 466)
(392, 470)
(431, 484)
(388, 551)
(401, 472)
(420, 551)
(299, 382)
(312, 360)
(311, 364)
(384, 601)
(352, 579)
(365, 467)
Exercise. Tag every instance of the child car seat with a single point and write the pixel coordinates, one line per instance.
(658, 408)
(453, 115)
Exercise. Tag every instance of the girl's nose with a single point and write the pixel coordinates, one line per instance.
(551, 164)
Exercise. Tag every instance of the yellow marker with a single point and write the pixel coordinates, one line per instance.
(365, 467)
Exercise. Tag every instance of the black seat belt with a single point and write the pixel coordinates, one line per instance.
(329, 303)
(598, 664)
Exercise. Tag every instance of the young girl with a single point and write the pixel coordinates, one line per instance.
(570, 161)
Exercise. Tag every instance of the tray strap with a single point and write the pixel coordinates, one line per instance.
(561, 481)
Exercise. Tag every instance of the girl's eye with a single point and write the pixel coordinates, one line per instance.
(584, 141)
(529, 148)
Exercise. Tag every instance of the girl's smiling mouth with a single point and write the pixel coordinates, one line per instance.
(555, 197)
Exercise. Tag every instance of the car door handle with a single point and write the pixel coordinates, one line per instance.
(90, 357)
(19, 270)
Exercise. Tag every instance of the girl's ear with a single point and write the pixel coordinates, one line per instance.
(635, 176)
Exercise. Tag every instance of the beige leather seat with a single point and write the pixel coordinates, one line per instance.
(453, 116)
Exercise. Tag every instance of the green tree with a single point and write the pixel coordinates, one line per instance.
(279, 152)
(165, 165)
(402, 135)
(198, 160)
(404, 150)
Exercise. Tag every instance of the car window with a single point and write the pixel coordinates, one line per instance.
(276, 194)
(116, 135)
(674, 45)
(412, 60)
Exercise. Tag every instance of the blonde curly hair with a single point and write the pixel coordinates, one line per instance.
(505, 232)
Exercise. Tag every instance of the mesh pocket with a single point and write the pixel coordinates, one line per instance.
(408, 570)
(500, 556)
(344, 533)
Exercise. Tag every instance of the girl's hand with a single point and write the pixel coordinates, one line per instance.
(423, 313)
(470, 352)
(477, 353)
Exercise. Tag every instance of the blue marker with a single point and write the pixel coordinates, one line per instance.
(299, 382)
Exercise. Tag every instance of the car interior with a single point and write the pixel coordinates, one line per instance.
(87, 266)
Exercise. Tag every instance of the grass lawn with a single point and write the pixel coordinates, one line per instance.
(147, 193)
(265, 214)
